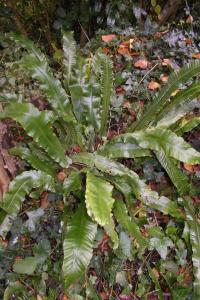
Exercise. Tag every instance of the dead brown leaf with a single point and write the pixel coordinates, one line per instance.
(153, 85)
(141, 64)
(196, 55)
(189, 19)
(108, 38)
(123, 50)
(164, 78)
(188, 167)
(44, 202)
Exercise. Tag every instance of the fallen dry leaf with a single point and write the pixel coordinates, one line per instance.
(188, 41)
(127, 104)
(188, 167)
(123, 50)
(39, 297)
(108, 38)
(61, 176)
(64, 297)
(189, 19)
(44, 202)
(120, 90)
(106, 50)
(141, 64)
(164, 78)
(167, 62)
(196, 55)
(153, 85)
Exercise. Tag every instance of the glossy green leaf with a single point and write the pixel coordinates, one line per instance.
(132, 180)
(194, 232)
(25, 266)
(104, 67)
(178, 178)
(71, 183)
(77, 246)
(163, 140)
(182, 97)
(69, 53)
(22, 186)
(121, 214)
(115, 149)
(176, 114)
(37, 64)
(98, 197)
(110, 230)
(175, 79)
(36, 125)
(187, 124)
(33, 160)
(86, 103)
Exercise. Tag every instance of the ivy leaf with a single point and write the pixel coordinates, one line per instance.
(25, 266)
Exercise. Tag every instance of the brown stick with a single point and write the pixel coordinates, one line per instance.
(16, 17)
(169, 10)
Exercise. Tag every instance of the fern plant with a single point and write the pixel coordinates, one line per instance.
(103, 187)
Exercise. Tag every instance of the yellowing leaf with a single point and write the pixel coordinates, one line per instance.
(108, 38)
(175, 92)
(153, 85)
(141, 64)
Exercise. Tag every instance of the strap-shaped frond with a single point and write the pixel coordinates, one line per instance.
(36, 63)
(194, 232)
(159, 139)
(121, 214)
(77, 246)
(182, 97)
(176, 114)
(178, 178)
(104, 67)
(69, 55)
(115, 149)
(22, 186)
(175, 79)
(36, 124)
(98, 197)
(187, 124)
(33, 160)
(132, 181)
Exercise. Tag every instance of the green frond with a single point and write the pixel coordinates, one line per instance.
(187, 124)
(77, 246)
(136, 186)
(36, 124)
(117, 149)
(182, 97)
(98, 198)
(178, 178)
(175, 79)
(194, 232)
(31, 158)
(22, 186)
(69, 55)
(37, 65)
(163, 140)
(127, 223)
(104, 69)
(177, 113)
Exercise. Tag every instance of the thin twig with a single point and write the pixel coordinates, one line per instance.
(147, 73)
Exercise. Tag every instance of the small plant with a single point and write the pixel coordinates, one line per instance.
(102, 187)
